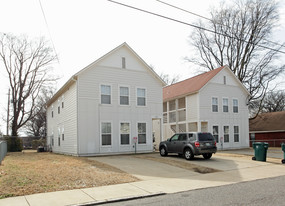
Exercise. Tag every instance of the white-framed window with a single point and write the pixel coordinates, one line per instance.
(215, 104)
(124, 95)
(106, 133)
(235, 106)
(225, 80)
(216, 133)
(58, 106)
(226, 134)
(58, 137)
(105, 94)
(141, 97)
(125, 133)
(62, 133)
(225, 105)
(62, 101)
(236, 133)
(52, 111)
(141, 133)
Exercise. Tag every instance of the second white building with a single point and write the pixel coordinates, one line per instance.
(215, 102)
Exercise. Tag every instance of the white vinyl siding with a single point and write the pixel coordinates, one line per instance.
(92, 113)
(65, 122)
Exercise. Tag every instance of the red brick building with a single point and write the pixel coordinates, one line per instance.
(268, 127)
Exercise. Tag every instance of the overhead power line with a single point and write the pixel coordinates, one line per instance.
(203, 17)
(42, 9)
(192, 25)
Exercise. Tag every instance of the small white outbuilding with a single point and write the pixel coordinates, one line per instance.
(106, 108)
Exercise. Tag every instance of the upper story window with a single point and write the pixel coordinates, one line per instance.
(214, 104)
(124, 96)
(172, 105)
(235, 105)
(225, 80)
(62, 102)
(123, 62)
(105, 94)
(52, 111)
(141, 97)
(225, 105)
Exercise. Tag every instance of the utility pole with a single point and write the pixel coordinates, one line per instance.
(8, 112)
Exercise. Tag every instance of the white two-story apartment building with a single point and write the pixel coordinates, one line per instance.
(215, 102)
(106, 108)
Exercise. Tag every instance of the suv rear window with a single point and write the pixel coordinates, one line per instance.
(205, 137)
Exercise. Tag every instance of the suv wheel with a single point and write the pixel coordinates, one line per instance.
(162, 151)
(207, 156)
(188, 154)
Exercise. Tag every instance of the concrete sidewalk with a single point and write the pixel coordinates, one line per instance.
(156, 178)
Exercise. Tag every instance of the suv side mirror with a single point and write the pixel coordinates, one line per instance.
(168, 140)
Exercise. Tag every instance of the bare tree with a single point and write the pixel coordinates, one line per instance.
(240, 40)
(169, 80)
(166, 78)
(36, 126)
(274, 101)
(27, 63)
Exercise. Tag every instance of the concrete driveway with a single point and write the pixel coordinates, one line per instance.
(143, 168)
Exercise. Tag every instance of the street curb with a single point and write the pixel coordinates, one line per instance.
(119, 199)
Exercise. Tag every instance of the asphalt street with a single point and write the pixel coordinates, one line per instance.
(269, 191)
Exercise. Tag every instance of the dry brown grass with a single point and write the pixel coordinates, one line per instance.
(30, 172)
(182, 164)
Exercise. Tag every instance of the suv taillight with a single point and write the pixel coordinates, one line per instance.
(215, 143)
(197, 144)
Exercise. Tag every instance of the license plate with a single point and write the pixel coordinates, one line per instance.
(208, 144)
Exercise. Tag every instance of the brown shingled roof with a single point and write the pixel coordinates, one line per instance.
(188, 86)
(274, 121)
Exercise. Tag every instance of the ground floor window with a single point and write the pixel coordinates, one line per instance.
(216, 133)
(125, 133)
(141, 133)
(226, 134)
(236, 133)
(106, 133)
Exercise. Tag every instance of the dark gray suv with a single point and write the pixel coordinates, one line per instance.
(189, 144)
